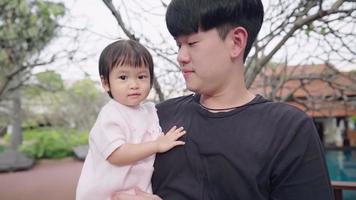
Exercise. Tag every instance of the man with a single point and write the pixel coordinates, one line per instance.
(238, 145)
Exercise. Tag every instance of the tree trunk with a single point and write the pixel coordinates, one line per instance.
(16, 131)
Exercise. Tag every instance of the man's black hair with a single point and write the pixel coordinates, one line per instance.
(184, 17)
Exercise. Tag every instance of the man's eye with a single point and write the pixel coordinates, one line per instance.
(123, 77)
(192, 43)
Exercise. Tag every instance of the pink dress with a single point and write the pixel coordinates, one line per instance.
(116, 125)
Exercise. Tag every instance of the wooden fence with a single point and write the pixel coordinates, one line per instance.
(339, 186)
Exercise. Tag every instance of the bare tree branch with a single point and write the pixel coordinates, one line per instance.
(302, 18)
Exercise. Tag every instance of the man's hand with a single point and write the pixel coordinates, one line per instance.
(139, 195)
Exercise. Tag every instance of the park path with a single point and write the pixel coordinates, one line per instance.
(47, 180)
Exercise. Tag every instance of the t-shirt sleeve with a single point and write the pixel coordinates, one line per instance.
(300, 172)
(108, 133)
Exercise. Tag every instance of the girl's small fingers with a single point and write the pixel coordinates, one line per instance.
(181, 133)
(179, 143)
(180, 128)
(173, 128)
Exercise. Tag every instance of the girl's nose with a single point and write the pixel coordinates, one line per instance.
(133, 84)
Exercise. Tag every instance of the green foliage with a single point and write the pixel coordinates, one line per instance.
(52, 102)
(85, 88)
(320, 29)
(26, 28)
(52, 143)
(45, 84)
(309, 28)
(27, 25)
(2, 148)
(353, 118)
(50, 79)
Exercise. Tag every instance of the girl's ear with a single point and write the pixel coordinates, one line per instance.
(105, 84)
(239, 38)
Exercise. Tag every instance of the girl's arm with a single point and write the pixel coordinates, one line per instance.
(130, 153)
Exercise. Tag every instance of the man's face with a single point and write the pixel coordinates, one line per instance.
(204, 59)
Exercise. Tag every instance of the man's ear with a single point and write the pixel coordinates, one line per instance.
(105, 84)
(239, 38)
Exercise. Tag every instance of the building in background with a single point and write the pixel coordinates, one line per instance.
(323, 92)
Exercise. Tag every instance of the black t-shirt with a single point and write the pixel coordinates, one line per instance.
(262, 150)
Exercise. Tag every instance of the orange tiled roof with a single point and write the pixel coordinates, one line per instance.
(328, 108)
(317, 89)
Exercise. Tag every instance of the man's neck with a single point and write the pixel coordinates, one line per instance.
(226, 100)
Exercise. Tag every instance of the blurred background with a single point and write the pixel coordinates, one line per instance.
(50, 92)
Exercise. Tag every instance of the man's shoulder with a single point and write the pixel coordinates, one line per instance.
(275, 108)
(283, 109)
(174, 102)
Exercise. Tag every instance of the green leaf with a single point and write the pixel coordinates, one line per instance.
(50, 80)
(323, 31)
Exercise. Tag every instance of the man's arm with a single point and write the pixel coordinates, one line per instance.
(301, 172)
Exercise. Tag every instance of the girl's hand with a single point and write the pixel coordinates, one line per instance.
(139, 195)
(170, 139)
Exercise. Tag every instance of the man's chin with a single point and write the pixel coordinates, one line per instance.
(192, 89)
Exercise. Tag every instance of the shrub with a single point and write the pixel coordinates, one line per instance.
(52, 143)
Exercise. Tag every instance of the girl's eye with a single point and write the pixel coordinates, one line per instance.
(123, 77)
(142, 77)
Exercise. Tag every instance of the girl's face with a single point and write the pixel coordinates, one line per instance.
(128, 85)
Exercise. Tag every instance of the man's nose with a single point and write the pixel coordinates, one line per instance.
(183, 56)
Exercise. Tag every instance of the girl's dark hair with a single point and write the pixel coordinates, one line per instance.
(124, 52)
(184, 17)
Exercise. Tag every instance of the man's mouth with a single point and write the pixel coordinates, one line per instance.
(187, 71)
